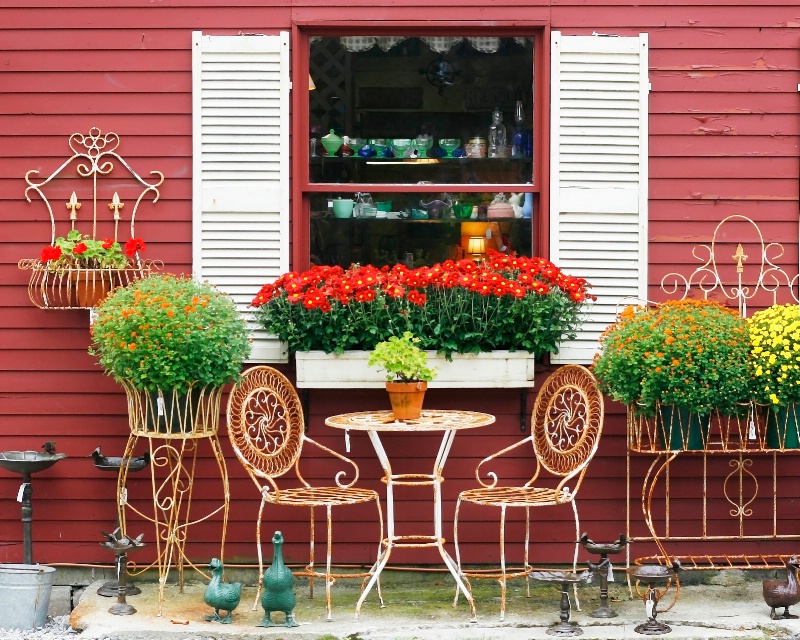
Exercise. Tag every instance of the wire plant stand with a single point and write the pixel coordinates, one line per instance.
(94, 157)
(734, 496)
(175, 426)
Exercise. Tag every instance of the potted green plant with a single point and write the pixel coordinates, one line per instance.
(775, 358)
(677, 361)
(90, 268)
(407, 373)
(172, 342)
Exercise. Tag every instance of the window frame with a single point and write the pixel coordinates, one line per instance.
(302, 187)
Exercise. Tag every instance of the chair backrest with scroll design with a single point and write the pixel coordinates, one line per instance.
(567, 422)
(265, 422)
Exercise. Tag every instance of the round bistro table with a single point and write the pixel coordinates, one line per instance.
(448, 422)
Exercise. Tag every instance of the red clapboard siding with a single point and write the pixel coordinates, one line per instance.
(724, 136)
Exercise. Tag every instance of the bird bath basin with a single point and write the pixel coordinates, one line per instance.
(653, 575)
(26, 463)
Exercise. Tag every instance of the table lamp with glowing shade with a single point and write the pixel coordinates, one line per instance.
(476, 247)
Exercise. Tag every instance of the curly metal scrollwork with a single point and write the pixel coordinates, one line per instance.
(265, 421)
(764, 276)
(571, 409)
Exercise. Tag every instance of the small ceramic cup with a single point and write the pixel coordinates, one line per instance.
(343, 208)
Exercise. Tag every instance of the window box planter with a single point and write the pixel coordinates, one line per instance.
(491, 369)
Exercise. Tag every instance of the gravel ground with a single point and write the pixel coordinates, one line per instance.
(57, 627)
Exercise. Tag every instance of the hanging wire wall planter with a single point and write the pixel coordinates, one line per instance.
(81, 268)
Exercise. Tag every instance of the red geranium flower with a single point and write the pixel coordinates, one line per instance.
(79, 248)
(133, 245)
(50, 253)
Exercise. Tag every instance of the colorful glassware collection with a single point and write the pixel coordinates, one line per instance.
(419, 147)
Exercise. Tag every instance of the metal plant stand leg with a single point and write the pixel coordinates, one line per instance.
(173, 462)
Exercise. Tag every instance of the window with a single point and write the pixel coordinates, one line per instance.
(413, 115)
(588, 186)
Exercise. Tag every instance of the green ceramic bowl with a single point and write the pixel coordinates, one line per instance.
(385, 205)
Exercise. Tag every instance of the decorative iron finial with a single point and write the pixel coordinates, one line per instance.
(740, 257)
(116, 205)
(73, 205)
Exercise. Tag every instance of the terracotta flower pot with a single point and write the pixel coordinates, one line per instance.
(406, 398)
(92, 286)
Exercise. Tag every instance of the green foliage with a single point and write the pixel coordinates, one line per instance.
(504, 302)
(689, 353)
(167, 332)
(403, 359)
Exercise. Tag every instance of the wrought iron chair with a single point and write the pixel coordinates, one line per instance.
(266, 429)
(566, 424)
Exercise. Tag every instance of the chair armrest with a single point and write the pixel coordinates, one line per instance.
(480, 470)
(339, 475)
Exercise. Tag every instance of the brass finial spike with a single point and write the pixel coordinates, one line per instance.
(740, 257)
(116, 205)
(73, 205)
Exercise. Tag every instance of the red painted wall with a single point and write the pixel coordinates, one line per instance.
(724, 130)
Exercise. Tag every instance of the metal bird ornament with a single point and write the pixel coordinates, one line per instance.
(221, 596)
(783, 593)
(278, 587)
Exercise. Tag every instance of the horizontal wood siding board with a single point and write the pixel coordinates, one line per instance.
(723, 119)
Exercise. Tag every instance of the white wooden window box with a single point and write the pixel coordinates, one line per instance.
(498, 369)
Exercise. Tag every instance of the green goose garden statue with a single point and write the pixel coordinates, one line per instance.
(278, 587)
(221, 595)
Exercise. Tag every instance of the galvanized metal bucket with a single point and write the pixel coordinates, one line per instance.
(25, 594)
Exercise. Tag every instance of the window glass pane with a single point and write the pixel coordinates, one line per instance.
(408, 109)
(415, 228)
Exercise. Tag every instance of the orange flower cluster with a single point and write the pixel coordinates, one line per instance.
(690, 353)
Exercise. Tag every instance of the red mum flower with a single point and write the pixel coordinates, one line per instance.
(367, 295)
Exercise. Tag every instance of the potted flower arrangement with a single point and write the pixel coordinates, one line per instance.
(775, 358)
(407, 373)
(172, 342)
(677, 361)
(83, 270)
(503, 303)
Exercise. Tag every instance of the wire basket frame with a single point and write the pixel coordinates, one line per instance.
(78, 287)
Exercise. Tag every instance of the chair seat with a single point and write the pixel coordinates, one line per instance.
(516, 496)
(321, 496)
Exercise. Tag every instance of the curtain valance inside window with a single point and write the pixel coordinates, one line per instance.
(439, 44)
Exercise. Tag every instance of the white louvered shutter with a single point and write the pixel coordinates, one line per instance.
(598, 183)
(240, 135)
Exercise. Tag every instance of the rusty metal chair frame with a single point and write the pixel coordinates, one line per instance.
(266, 430)
(566, 424)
